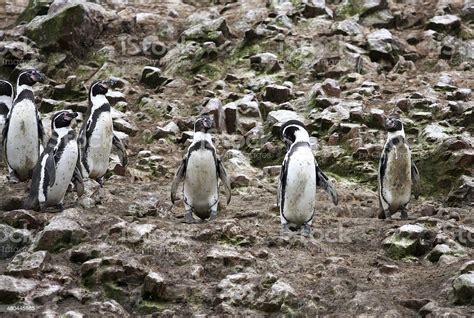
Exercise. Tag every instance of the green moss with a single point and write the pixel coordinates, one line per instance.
(34, 8)
(149, 306)
(112, 290)
(56, 29)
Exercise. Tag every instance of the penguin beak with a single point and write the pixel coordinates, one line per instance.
(75, 114)
(38, 77)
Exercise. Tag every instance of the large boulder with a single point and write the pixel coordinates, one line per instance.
(61, 233)
(382, 46)
(14, 289)
(34, 8)
(463, 289)
(410, 240)
(72, 27)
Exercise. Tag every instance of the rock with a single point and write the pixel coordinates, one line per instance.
(239, 180)
(331, 88)
(214, 108)
(271, 171)
(333, 115)
(459, 94)
(462, 191)
(46, 292)
(171, 129)
(463, 289)
(153, 286)
(28, 264)
(467, 12)
(72, 314)
(87, 251)
(410, 240)
(280, 293)
(231, 118)
(238, 289)
(433, 133)
(382, 46)
(379, 19)
(12, 240)
(73, 27)
(361, 7)
(228, 256)
(277, 93)
(389, 269)
(312, 8)
(465, 235)
(93, 194)
(277, 118)
(61, 233)
(265, 62)
(214, 30)
(14, 289)
(152, 77)
(438, 251)
(444, 23)
(348, 27)
(34, 9)
(22, 219)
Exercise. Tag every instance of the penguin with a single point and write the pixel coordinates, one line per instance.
(97, 134)
(397, 172)
(200, 170)
(6, 102)
(299, 177)
(23, 132)
(58, 165)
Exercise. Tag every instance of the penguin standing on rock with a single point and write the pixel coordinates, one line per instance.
(97, 134)
(23, 132)
(300, 174)
(200, 171)
(397, 171)
(58, 165)
(6, 102)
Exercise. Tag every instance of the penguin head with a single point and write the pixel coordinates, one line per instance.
(393, 124)
(100, 87)
(203, 124)
(30, 77)
(62, 119)
(289, 130)
(6, 89)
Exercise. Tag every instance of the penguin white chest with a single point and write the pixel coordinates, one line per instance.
(100, 145)
(396, 183)
(200, 185)
(22, 147)
(300, 187)
(64, 171)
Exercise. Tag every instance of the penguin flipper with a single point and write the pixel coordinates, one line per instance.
(225, 179)
(77, 178)
(40, 129)
(122, 152)
(323, 181)
(180, 174)
(415, 179)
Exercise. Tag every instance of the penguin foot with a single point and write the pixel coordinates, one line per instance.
(403, 215)
(13, 179)
(101, 181)
(213, 216)
(42, 207)
(60, 206)
(285, 230)
(188, 218)
(306, 230)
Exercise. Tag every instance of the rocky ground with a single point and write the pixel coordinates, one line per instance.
(341, 66)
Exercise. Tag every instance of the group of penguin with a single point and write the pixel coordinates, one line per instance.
(68, 159)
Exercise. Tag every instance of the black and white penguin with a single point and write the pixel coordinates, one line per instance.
(57, 166)
(23, 132)
(6, 102)
(97, 134)
(300, 174)
(200, 170)
(397, 171)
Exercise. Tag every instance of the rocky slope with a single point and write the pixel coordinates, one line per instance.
(341, 66)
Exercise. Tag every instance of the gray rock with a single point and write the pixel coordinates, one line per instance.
(238, 289)
(152, 77)
(12, 240)
(72, 314)
(170, 129)
(154, 286)
(214, 30)
(28, 264)
(22, 219)
(409, 240)
(433, 133)
(312, 8)
(265, 62)
(14, 289)
(277, 93)
(465, 235)
(72, 27)
(463, 289)
(280, 293)
(382, 46)
(444, 23)
(214, 108)
(463, 190)
(348, 27)
(467, 12)
(228, 256)
(61, 233)
(333, 115)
